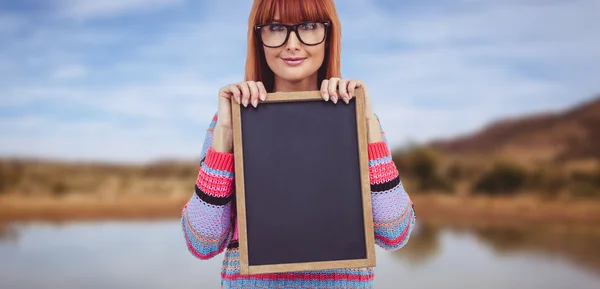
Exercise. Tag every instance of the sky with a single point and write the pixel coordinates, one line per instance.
(137, 80)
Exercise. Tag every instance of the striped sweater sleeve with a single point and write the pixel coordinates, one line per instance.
(206, 219)
(393, 211)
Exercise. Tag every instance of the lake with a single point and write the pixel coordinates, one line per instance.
(153, 255)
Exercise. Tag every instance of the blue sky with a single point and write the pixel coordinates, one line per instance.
(136, 80)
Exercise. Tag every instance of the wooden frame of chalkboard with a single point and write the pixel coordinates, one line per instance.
(322, 222)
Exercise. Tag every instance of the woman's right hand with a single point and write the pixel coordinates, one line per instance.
(245, 92)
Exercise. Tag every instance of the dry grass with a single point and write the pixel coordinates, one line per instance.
(44, 190)
(485, 209)
(432, 208)
(128, 207)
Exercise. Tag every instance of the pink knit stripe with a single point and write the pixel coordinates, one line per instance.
(378, 150)
(303, 277)
(214, 185)
(383, 172)
(219, 161)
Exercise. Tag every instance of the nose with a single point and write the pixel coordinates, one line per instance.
(293, 42)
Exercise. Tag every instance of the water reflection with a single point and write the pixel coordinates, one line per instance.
(8, 233)
(578, 246)
(423, 245)
(152, 255)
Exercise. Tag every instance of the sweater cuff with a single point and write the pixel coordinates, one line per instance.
(219, 161)
(378, 150)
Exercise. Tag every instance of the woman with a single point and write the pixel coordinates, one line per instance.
(293, 45)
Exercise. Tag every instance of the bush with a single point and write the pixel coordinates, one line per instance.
(455, 172)
(400, 159)
(421, 164)
(167, 169)
(11, 174)
(547, 183)
(585, 184)
(59, 188)
(503, 178)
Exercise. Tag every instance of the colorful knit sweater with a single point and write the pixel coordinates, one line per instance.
(209, 222)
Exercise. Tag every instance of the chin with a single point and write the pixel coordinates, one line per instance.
(296, 73)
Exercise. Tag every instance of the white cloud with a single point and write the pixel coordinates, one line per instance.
(85, 9)
(162, 100)
(133, 123)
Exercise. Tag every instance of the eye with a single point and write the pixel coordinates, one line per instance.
(276, 27)
(308, 26)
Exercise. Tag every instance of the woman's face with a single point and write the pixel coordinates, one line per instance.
(294, 61)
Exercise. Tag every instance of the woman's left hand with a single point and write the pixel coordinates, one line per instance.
(337, 88)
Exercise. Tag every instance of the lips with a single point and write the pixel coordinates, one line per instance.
(293, 61)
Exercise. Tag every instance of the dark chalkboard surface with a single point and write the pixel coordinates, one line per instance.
(302, 184)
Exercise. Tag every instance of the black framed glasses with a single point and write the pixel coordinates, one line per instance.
(275, 35)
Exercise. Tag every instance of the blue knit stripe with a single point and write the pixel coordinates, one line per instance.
(208, 139)
(386, 159)
(231, 266)
(295, 284)
(393, 231)
(220, 173)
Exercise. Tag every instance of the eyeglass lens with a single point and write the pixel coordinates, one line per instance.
(310, 33)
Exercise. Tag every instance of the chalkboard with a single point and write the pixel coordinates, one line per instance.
(302, 184)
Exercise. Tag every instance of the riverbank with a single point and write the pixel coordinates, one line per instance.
(147, 207)
(513, 211)
(431, 208)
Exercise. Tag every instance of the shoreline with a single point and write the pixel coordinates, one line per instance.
(429, 208)
(16, 209)
(515, 211)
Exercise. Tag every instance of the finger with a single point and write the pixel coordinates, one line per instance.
(343, 90)
(253, 93)
(224, 92)
(235, 92)
(332, 87)
(324, 89)
(352, 88)
(262, 90)
(245, 93)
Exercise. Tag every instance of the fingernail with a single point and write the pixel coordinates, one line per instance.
(263, 96)
(334, 99)
(245, 102)
(255, 102)
(326, 97)
(346, 100)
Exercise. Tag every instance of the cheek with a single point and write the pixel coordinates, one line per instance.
(270, 55)
(318, 52)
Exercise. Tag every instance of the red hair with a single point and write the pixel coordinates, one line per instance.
(292, 11)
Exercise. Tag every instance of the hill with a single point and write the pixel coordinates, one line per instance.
(569, 136)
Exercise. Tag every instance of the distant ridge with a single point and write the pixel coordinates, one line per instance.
(569, 135)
